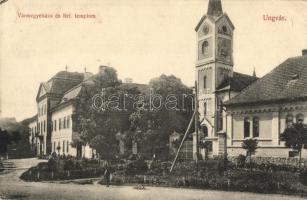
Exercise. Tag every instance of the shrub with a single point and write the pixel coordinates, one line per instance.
(241, 160)
(303, 177)
(136, 167)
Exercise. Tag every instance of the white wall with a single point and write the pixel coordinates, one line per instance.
(63, 134)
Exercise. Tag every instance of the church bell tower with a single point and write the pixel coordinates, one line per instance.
(214, 66)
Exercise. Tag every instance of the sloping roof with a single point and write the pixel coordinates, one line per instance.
(288, 81)
(63, 81)
(215, 8)
(237, 83)
(71, 94)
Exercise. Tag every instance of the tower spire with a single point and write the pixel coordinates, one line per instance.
(215, 8)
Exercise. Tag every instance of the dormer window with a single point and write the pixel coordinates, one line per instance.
(295, 76)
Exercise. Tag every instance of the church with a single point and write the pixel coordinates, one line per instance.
(233, 106)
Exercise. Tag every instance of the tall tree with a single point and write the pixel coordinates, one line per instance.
(101, 112)
(169, 109)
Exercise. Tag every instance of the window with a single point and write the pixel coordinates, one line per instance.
(51, 126)
(299, 118)
(64, 122)
(204, 48)
(204, 131)
(63, 146)
(205, 108)
(246, 127)
(255, 126)
(54, 125)
(44, 126)
(54, 147)
(219, 115)
(68, 121)
(41, 127)
(67, 146)
(60, 124)
(289, 120)
(205, 82)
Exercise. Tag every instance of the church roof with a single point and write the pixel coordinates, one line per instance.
(214, 13)
(286, 82)
(215, 8)
(237, 82)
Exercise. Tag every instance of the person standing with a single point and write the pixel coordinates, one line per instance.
(107, 175)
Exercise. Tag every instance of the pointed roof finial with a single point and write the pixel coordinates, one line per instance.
(215, 8)
(254, 72)
(84, 69)
(66, 68)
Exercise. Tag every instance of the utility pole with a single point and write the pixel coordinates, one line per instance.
(196, 120)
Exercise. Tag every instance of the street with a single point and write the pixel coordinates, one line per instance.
(11, 187)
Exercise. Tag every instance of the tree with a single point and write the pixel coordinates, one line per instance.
(250, 145)
(101, 112)
(5, 140)
(169, 109)
(295, 137)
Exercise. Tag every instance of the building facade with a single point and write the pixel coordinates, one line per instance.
(51, 130)
(233, 106)
(215, 78)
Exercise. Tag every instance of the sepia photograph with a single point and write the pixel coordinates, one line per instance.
(153, 100)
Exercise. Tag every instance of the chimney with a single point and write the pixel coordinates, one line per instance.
(304, 52)
(102, 69)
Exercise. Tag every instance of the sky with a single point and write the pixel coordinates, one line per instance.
(141, 39)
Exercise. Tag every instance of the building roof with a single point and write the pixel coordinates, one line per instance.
(288, 81)
(214, 13)
(215, 8)
(62, 82)
(237, 82)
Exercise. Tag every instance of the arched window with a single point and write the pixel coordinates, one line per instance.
(205, 48)
(204, 131)
(289, 120)
(255, 126)
(300, 118)
(205, 108)
(246, 127)
(205, 82)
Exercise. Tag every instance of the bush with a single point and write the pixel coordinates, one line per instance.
(241, 160)
(136, 167)
(303, 177)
